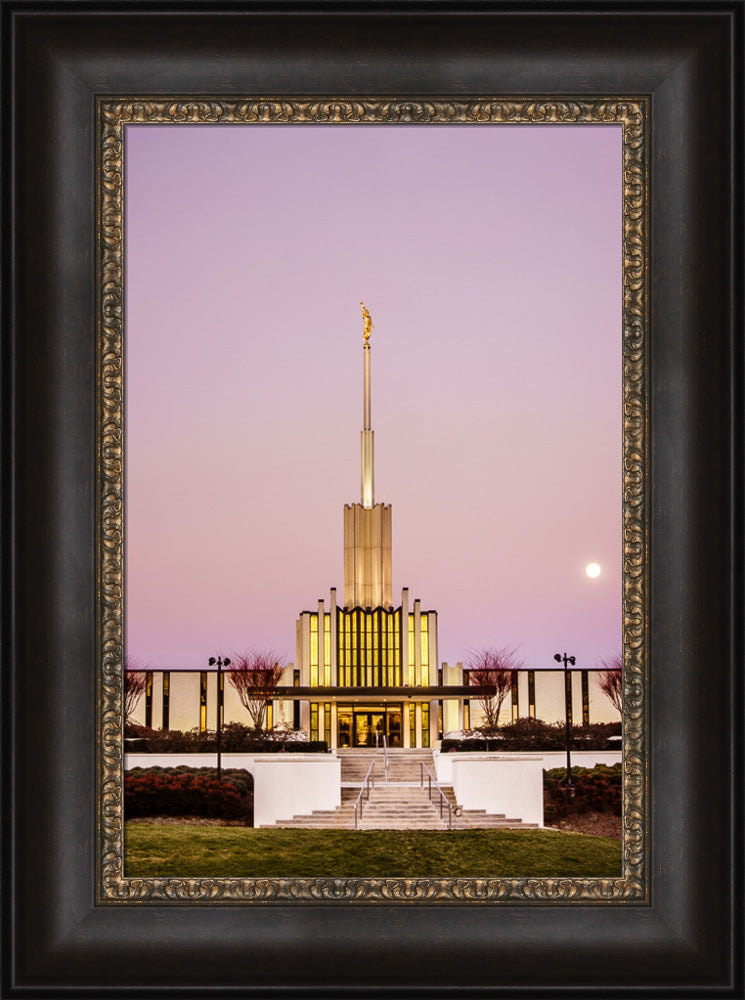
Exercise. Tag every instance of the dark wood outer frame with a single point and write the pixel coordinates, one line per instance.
(689, 60)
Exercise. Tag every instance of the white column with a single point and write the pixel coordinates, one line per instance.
(418, 679)
(333, 725)
(332, 610)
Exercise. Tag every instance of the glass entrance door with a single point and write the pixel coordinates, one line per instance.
(369, 729)
(359, 726)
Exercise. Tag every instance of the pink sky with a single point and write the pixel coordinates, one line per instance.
(490, 259)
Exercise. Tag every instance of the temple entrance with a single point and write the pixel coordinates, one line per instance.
(365, 725)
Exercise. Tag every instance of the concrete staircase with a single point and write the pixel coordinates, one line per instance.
(397, 801)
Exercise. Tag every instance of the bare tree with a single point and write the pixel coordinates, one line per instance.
(255, 676)
(611, 681)
(490, 673)
(135, 682)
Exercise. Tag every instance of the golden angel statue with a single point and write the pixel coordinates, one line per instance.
(368, 323)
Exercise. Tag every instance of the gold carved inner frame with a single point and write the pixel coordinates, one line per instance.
(112, 115)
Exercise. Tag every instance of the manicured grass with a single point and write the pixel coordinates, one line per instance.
(242, 852)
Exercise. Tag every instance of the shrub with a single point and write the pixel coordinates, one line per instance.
(537, 736)
(183, 791)
(235, 738)
(596, 789)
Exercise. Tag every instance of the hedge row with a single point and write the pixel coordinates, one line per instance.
(235, 738)
(596, 789)
(538, 736)
(159, 791)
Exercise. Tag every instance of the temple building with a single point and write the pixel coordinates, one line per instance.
(367, 668)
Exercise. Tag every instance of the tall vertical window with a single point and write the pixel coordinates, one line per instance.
(149, 699)
(376, 649)
(203, 701)
(368, 619)
(398, 626)
(327, 649)
(368, 647)
(568, 695)
(466, 714)
(424, 625)
(314, 650)
(296, 703)
(531, 694)
(314, 720)
(166, 698)
(412, 725)
(355, 655)
(425, 725)
(412, 663)
(515, 697)
(585, 699)
(327, 722)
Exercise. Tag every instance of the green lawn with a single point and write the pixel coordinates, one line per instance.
(242, 852)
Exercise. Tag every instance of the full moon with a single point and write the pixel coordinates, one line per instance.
(592, 570)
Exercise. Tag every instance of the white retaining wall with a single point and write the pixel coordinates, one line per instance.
(508, 783)
(285, 784)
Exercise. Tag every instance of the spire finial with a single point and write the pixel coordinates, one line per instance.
(367, 433)
(368, 324)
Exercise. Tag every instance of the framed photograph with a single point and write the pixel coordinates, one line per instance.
(118, 79)
(540, 372)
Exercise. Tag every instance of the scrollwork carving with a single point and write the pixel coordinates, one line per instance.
(112, 117)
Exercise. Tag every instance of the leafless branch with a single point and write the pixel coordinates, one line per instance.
(611, 681)
(490, 673)
(135, 683)
(255, 676)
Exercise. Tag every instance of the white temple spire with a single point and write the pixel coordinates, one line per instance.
(366, 442)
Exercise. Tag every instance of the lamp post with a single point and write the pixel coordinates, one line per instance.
(567, 708)
(220, 664)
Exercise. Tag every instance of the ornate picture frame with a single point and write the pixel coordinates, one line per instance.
(113, 117)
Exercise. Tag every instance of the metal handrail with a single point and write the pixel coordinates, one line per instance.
(369, 780)
(385, 755)
(443, 798)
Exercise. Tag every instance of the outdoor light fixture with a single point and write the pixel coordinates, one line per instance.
(567, 708)
(220, 664)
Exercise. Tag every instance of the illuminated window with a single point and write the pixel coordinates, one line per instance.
(369, 660)
(327, 650)
(466, 714)
(203, 701)
(424, 679)
(353, 680)
(412, 665)
(425, 725)
(149, 699)
(394, 654)
(327, 722)
(314, 721)
(376, 649)
(585, 699)
(314, 650)
(531, 694)
(515, 703)
(269, 721)
(412, 725)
